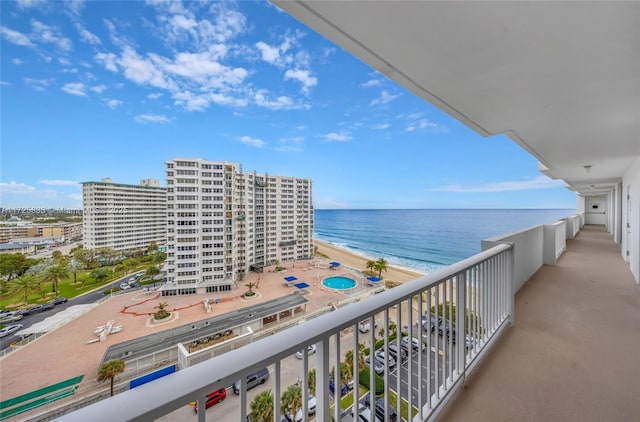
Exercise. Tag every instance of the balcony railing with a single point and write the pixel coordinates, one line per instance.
(473, 297)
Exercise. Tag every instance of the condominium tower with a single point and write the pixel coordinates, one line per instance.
(122, 216)
(223, 222)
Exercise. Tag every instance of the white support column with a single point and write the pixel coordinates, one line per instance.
(461, 325)
(322, 380)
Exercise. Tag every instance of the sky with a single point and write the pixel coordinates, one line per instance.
(95, 89)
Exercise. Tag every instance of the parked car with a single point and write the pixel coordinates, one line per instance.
(124, 286)
(10, 329)
(381, 355)
(378, 364)
(47, 306)
(58, 300)
(332, 388)
(310, 350)
(379, 408)
(10, 317)
(33, 310)
(365, 325)
(365, 415)
(311, 408)
(431, 322)
(213, 398)
(254, 379)
(415, 343)
(399, 354)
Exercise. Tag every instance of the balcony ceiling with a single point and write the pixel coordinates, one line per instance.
(562, 79)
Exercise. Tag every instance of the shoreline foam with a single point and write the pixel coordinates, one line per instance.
(359, 262)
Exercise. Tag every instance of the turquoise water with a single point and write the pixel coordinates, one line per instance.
(339, 283)
(423, 240)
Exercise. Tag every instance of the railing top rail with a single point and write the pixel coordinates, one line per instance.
(157, 398)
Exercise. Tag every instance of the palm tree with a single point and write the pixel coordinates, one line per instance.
(311, 381)
(152, 271)
(262, 407)
(371, 265)
(99, 275)
(22, 286)
(109, 370)
(380, 266)
(54, 274)
(346, 372)
(162, 310)
(74, 266)
(250, 286)
(291, 400)
(348, 360)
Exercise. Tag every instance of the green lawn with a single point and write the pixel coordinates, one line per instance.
(66, 288)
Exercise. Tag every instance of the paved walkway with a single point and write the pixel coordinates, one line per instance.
(64, 353)
(574, 351)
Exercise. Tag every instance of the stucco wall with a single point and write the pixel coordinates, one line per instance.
(631, 218)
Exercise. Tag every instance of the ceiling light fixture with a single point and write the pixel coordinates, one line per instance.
(587, 168)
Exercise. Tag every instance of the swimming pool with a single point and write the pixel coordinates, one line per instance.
(339, 283)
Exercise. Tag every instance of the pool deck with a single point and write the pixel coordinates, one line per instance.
(65, 352)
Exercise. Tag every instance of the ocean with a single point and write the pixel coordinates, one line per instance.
(423, 240)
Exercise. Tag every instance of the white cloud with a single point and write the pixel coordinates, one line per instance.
(371, 83)
(108, 60)
(113, 103)
(144, 71)
(75, 88)
(5, 83)
(99, 89)
(536, 183)
(57, 182)
(74, 6)
(294, 144)
(337, 136)
(269, 54)
(154, 96)
(38, 84)
(17, 61)
(15, 37)
(50, 35)
(303, 76)
(254, 142)
(152, 118)
(27, 4)
(87, 36)
(381, 126)
(72, 70)
(13, 187)
(279, 103)
(76, 196)
(384, 98)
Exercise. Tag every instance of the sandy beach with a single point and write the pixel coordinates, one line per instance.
(358, 262)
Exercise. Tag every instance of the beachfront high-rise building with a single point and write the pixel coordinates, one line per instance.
(223, 222)
(120, 216)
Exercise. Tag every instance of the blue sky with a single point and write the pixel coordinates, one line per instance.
(114, 89)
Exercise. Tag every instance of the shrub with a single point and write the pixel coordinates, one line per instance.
(363, 377)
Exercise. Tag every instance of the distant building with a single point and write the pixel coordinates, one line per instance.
(120, 216)
(22, 248)
(66, 231)
(223, 222)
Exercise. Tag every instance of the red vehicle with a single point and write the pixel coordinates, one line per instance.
(213, 398)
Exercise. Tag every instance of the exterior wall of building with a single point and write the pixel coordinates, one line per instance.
(222, 222)
(122, 216)
(9, 232)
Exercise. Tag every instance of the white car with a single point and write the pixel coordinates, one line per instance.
(415, 343)
(9, 329)
(311, 407)
(365, 325)
(310, 350)
(124, 286)
(365, 415)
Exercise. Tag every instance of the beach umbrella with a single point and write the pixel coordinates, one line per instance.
(291, 278)
(334, 264)
(374, 279)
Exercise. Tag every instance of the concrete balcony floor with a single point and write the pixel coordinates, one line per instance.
(574, 351)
